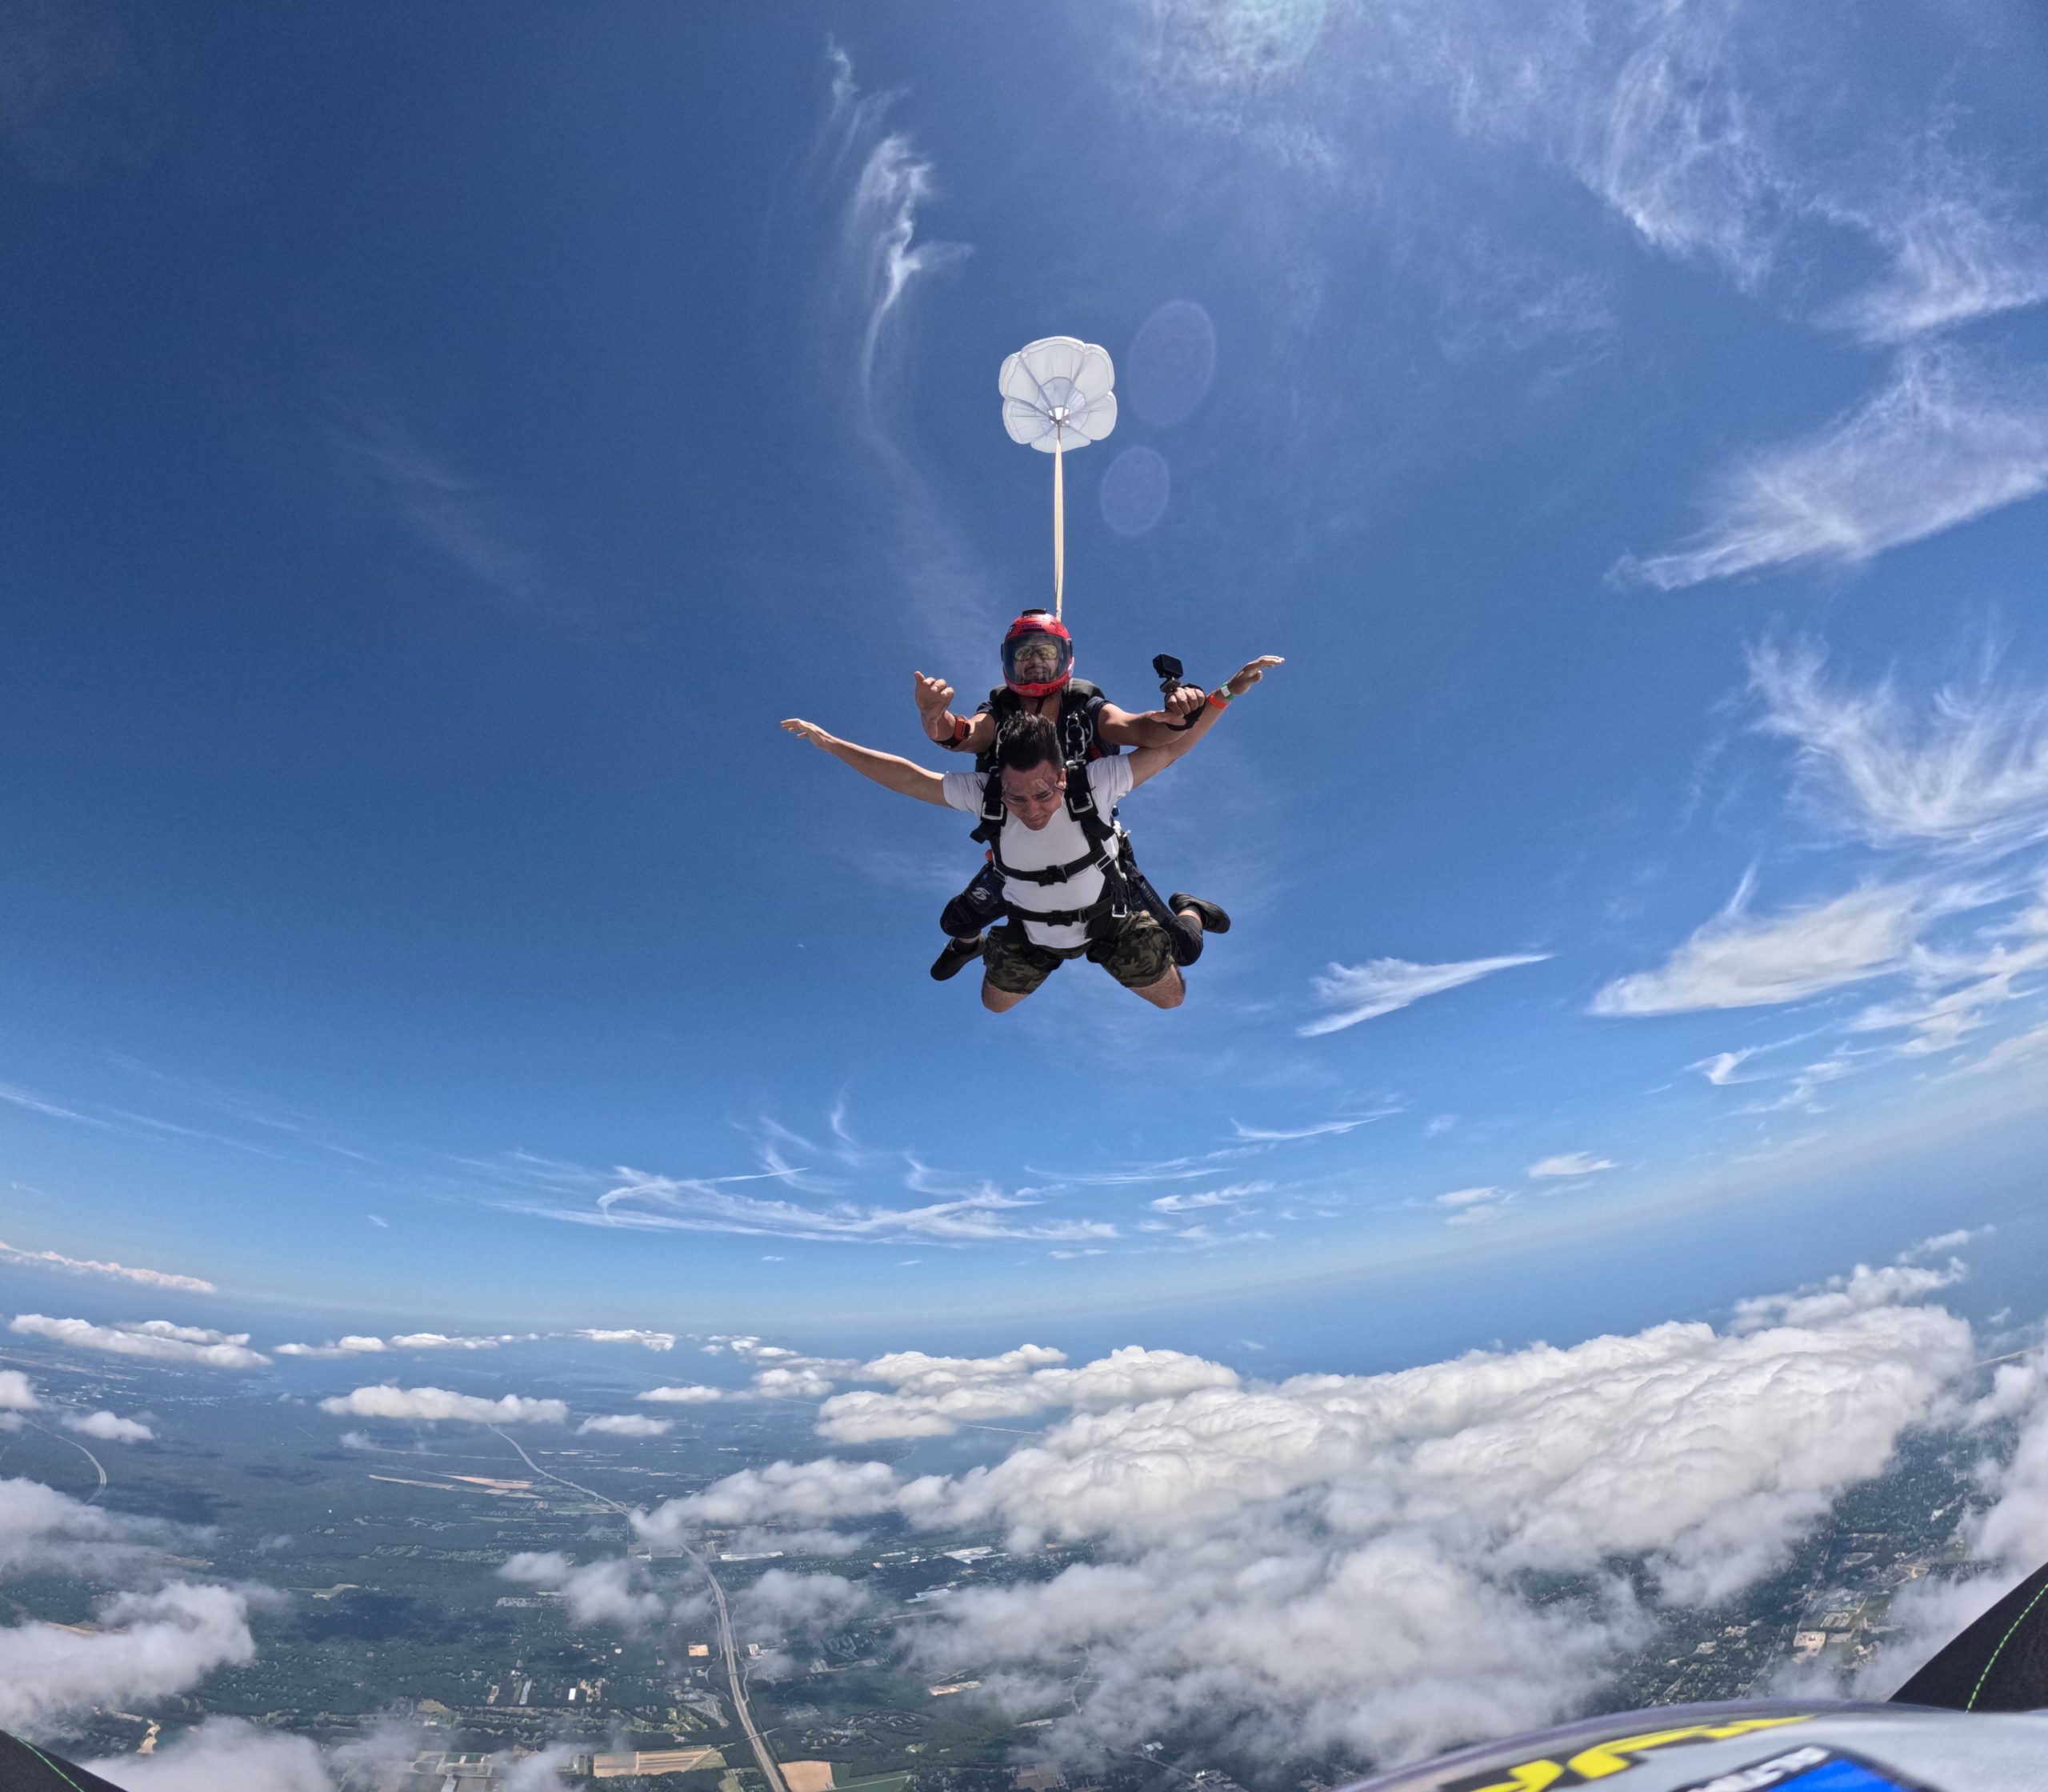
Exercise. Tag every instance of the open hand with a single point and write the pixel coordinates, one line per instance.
(934, 697)
(807, 731)
(1248, 674)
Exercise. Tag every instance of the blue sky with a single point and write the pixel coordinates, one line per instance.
(440, 446)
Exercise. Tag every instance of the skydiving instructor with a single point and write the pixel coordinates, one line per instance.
(1061, 856)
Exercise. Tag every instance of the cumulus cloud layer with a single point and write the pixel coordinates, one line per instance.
(243, 1757)
(109, 1427)
(40, 1527)
(690, 1395)
(627, 1424)
(611, 1591)
(1333, 1560)
(157, 1338)
(157, 1638)
(434, 1404)
(153, 1645)
(356, 1345)
(932, 1396)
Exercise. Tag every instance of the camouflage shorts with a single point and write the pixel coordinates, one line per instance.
(1137, 956)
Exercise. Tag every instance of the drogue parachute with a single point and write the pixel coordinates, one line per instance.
(1057, 394)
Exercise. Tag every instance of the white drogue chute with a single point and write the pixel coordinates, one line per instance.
(1056, 395)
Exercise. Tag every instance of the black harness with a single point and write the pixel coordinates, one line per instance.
(1078, 721)
(1108, 852)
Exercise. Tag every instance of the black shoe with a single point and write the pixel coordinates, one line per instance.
(1213, 920)
(958, 955)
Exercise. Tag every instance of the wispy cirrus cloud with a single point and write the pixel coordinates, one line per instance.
(119, 1272)
(1474, 1207)
(1571, 1163)
(645, 1202)
(1356, 993)
(1233, 1196)
(1965, 773)
(1948, 439)
(1739, 960)
(1322, 1129)
(879, 183)
(880, 256)
(825, 1183)
(462, 520)
(1959, 248)
(2021, 1048)
(1720, 1070)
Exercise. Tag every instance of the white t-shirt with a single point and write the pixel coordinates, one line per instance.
(1060, 842)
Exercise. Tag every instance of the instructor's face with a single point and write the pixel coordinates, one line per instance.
(1035, 796)
(1037, 662)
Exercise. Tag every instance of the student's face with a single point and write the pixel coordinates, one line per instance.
(1035, 796)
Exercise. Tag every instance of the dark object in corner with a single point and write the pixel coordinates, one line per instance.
(1999, 1664)
(26, 1768)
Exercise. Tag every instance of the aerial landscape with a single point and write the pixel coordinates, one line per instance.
(552, 1237)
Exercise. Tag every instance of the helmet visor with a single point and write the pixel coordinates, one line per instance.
(1036, 658)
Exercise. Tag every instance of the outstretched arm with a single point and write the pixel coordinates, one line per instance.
(1148, 762)
(885, 769)
(1154, 727)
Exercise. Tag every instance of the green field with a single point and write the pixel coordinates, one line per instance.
(878, 1783)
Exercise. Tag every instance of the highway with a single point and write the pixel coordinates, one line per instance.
(99, 1468)
(764, 1756)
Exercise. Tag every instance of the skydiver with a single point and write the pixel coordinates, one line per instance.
(1061, 860)
(1038, 666)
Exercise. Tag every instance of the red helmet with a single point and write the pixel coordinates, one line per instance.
(1038, 626)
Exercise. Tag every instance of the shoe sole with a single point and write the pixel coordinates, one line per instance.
(1213, 919)
(949, 964)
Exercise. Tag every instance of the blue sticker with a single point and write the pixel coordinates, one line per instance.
(1811, 1768)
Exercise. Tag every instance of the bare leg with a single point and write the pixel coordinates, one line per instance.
(1168, 992)
(996, 1001)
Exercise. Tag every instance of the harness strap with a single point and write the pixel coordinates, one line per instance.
(1054, 873)
(1107, 850)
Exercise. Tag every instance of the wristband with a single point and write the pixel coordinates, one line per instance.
(1220, 698)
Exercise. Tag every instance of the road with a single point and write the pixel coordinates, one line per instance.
(763, 1755)
(99, 1468)
(769, 1771)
